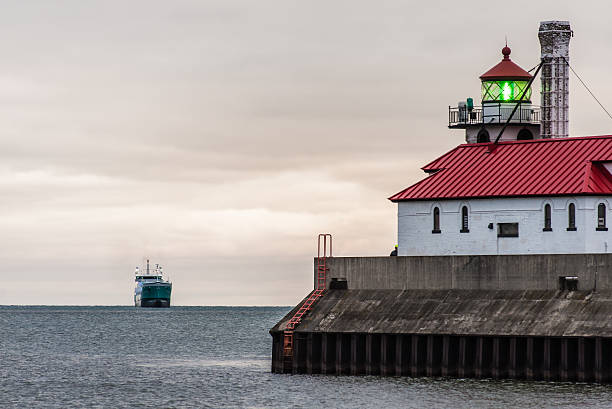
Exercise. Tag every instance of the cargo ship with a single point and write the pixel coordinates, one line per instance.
(151, 289)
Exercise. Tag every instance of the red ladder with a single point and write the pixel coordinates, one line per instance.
(322, 269)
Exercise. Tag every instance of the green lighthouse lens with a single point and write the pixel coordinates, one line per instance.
(505, 91)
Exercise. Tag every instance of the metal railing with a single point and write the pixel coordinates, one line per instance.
(460, 117)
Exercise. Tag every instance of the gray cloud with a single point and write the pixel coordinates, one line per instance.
(220, 137)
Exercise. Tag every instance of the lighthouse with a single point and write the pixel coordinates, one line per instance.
(513, 188)
(503, 87)
(503, 265)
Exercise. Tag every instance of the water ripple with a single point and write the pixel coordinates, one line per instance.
(217, 357)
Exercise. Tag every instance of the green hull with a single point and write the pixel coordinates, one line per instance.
(155, 295)
(155, 303)
(156, 291)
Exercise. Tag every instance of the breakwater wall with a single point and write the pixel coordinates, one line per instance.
(490, 272)
(466, 316)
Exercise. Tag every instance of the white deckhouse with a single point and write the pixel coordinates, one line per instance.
(519, 185)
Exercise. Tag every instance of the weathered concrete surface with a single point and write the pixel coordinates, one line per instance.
(461, 312)
(482, 272)
(465, 316)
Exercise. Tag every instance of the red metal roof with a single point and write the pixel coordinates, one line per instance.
(506, 69)
(541, 167)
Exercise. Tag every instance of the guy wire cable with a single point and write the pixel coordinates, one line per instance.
(587, 88)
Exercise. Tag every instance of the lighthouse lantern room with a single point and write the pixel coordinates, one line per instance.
(503, 87)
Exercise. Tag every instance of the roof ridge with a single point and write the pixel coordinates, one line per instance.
(567, 139)
(541, 140)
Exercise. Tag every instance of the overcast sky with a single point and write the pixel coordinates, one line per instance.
(219, 137)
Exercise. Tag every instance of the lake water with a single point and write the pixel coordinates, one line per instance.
(123, 357)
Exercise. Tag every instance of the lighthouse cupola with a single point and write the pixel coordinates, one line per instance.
(503, 87)
(505, 83)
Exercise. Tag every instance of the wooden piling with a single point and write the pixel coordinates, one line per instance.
(479, 353)
(512, 370)
(399, 339)
(295, 357)
(581, 375)
(383, 354)
(430, 355)
(323, 353)
(546, 360)
(462, 357)
(564, 367)
(353, 363)
(309, 353)
(339, 353)
(368, 351)
(445, 353)
(598, 368)
(414, 356)
(495, 364)
(530, 361)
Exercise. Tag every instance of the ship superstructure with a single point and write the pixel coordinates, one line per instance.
(151, 289)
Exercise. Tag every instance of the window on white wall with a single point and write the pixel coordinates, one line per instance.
(436, 220)
(507, 230)
(464, 220)
(547, 218)
(601, 217)
(571, 217)
(483, 136)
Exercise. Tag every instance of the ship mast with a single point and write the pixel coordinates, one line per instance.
(147, 266)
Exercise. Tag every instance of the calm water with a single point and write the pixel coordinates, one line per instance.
(115, 357)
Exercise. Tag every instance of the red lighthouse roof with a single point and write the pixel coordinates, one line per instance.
(506, 70)
(541, 167)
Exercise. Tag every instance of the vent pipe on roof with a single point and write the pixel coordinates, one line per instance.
(554, 41)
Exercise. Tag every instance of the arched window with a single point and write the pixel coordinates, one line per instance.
(601, 217)
(571, 217)
(483, 136)
(547, 218)
(436, 220)
(524, 135)
(464, 220)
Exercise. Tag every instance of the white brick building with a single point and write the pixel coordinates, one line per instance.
(485, 219)
(544, 196)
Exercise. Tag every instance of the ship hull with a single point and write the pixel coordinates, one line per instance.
(153, 295)
(155, 303)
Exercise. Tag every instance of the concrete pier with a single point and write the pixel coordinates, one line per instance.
(459, 316)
